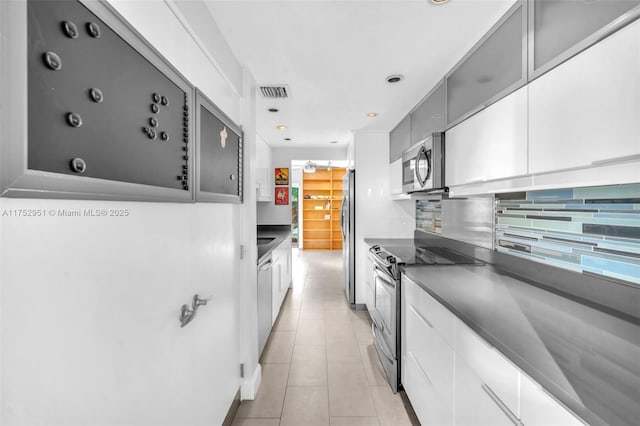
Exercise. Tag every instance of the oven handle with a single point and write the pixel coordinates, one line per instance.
(382, 344)
(385, 278)
(377, 260)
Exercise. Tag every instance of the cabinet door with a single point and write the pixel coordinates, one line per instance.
(428, 118)
(276, 282)
(496, 373)
(490, 145)
(426, 402)
(429, 362)
(474, 406)
(554, 40)
(400, 139)
(539, 409)
(492, 69)
(585, 111)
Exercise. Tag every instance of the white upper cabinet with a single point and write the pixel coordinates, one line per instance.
(264, 179)
(490, 145)
(586, 111)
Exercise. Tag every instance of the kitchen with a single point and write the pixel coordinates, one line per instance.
(66, 359)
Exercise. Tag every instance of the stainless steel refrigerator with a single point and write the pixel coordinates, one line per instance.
(347, 222)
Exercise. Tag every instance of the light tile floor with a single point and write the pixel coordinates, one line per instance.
(319, 366)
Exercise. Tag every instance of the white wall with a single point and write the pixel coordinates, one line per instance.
(376, 214)
(269, 213)
(90, 305)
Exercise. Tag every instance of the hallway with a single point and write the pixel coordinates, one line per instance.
(319, 365)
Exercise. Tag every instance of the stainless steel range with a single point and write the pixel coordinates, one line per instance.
(385, 309)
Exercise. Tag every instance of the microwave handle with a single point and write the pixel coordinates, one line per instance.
(422, 152)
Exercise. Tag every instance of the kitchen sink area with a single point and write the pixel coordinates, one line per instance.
(269, 237)
(274, 275)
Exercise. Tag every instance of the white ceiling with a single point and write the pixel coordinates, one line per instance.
(334, 57)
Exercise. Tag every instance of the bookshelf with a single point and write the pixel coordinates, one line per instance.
(321, 204)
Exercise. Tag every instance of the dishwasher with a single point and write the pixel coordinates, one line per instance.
(264, 302)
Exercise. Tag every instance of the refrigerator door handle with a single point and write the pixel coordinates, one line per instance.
(342, 219)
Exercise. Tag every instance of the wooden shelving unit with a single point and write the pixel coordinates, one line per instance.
(321, 203)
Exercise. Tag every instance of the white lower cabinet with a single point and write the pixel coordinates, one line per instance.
(537, 408)
(452, 376)
(427, 369)
(496, 372)
(276, 285)
(474, 406)
(280, 276)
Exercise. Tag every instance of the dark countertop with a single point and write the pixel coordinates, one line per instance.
(587, 359)
(585, 356)
(278, 232)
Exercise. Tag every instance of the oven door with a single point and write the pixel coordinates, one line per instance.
(384, 313)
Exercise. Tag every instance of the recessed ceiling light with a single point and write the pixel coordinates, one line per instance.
(273, 110)
(439, 1)
(372, 114)
(281, 127)
(394, 78)
(333, 142)
(287, 139)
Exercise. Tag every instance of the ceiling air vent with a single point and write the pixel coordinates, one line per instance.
(274, 91)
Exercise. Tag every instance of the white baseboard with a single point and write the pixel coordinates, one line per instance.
(250, 385)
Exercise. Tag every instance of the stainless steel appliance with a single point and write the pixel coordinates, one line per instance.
(385, 314)
(264, 301)
(347, 223)
(423, 165)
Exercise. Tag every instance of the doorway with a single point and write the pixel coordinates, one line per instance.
(316, 211)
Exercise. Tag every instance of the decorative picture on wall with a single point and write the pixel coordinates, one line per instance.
(282, 175)
(282, 196)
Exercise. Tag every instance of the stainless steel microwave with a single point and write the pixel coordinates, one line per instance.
(423, 165)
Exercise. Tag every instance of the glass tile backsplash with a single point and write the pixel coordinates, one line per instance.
(429, 216)
(594, 230)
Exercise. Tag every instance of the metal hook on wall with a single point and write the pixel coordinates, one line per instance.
(188, 313)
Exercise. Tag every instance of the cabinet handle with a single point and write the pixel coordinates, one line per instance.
(515, 420)
(266, 266)
(420, 316)
(622, 159)
(424, 373)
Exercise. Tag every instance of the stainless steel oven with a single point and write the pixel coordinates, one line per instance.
(385, 313)
(385, 308)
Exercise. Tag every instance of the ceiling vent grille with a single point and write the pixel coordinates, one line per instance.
(274, 91)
